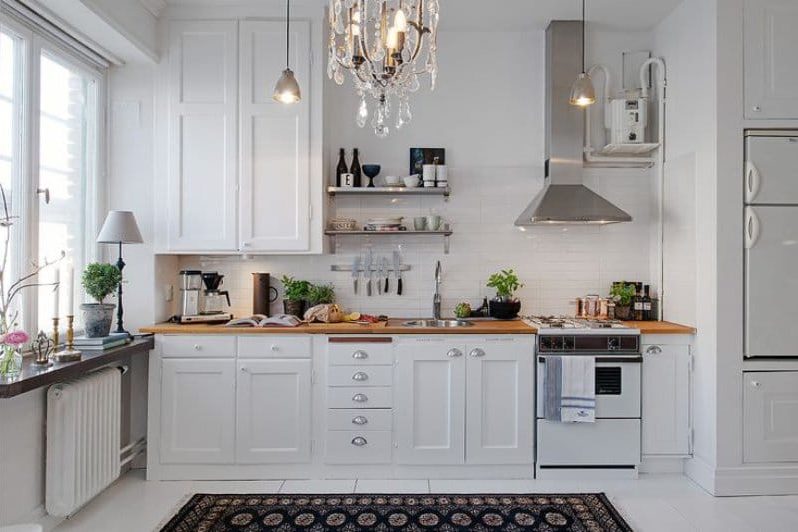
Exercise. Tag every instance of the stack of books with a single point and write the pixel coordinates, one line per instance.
(83, 343)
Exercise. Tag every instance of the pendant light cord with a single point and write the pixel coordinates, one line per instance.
(584, 35)
(288, 32)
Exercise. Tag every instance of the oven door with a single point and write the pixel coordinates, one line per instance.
(617, 385)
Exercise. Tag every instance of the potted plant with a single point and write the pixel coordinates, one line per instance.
(99, 281)
(504, 306)
(321, 294)
(295, 295)
(623, 295)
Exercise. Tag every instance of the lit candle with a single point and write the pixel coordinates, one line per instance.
(71, 291)
(56, 282)
(392, 42)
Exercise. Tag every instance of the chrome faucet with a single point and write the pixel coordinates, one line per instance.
(436, 298)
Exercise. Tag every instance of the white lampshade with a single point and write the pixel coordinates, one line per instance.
(120, 227)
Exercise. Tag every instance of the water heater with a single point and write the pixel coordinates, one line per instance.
(628, 120)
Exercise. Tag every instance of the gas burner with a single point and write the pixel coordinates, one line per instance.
(549, 323)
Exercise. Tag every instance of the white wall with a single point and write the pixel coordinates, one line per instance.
(687, 40)
(488, 113)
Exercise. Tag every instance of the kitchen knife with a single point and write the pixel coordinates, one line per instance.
(380, 272)
(369, 273)
(387, 275)
(355, 271)
(397, 266)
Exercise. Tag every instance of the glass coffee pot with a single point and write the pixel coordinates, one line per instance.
(216, 301)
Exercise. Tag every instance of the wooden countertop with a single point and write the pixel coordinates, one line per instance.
(34, 376)
(394, 326)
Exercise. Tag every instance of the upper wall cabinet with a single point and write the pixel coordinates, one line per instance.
(203, 94)
(240, 164)
(771, 62)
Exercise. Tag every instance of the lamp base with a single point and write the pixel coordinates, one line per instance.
(68, 355)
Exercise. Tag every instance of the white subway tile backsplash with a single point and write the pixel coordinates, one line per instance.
(555, 263)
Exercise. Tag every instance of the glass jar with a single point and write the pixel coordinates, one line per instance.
(10, 362)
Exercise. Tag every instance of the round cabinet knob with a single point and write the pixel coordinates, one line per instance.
(756, 108)
(360, 355)
(360, 420)
(454, 353)
(360, 376)
(275, 347)
(654, 350)
(476, 353)
(360, 398)
(197, 347)
(756, 384)
(359, 441)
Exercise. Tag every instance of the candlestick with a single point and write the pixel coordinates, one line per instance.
(69, 354)
(55, 332)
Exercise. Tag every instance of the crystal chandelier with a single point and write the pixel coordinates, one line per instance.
(382, 43)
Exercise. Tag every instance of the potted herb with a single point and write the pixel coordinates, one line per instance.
(504, 306)
(295, 295)
(321, 294)
(623, 295)
(99, 280)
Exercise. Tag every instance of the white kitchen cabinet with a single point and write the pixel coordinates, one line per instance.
(430, 406)
(666, 400)
(770, 416)
(273, 411)
(771, 64)
(500, 413)
(275, 140)
(202, 195)
(197, 411)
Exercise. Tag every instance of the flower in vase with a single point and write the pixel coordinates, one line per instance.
(15, 338)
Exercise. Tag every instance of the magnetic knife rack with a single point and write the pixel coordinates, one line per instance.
(375, 269)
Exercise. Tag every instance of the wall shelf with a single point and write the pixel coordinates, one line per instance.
(389, 191)
(333, 235)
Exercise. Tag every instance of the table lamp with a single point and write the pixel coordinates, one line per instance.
(120, 227)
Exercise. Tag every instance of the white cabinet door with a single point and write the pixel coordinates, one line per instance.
(430, 402)
(500, 413)
(771, 169)
(770, 421)
(666, 400)
(275, 140)
(203, 148)
(273, 416)
(198, 411)
(771, 62)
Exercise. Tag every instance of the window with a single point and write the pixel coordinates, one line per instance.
(49, 145)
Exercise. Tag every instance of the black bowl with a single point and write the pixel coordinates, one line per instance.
(504, 310)
(371, 170)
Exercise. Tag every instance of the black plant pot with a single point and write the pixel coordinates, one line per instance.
(504, 310)
(295, 308)
(623, 312)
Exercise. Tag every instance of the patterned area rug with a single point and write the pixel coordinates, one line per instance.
(407, 513)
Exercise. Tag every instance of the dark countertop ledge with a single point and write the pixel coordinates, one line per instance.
(33, 376)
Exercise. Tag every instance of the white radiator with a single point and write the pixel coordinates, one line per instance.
(83, 433)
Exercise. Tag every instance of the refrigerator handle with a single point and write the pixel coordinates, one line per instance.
(752, 181)
(751, 228)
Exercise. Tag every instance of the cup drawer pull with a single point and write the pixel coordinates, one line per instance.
(360, 355)
(360, 420)
(360, 398)
(360, 376)
(359, 441)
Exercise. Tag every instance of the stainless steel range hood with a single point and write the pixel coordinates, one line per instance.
(564, 199)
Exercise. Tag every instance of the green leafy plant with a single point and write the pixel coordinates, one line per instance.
(319, 294)
(623, 294)
(505, 282)
(294, 290)
(462, 310)
(100, 280)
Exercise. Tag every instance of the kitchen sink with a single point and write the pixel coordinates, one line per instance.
(442, 324)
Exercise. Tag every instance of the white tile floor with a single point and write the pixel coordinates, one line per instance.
(653, 503)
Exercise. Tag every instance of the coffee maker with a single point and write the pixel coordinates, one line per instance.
(198, 305)
(216, 301)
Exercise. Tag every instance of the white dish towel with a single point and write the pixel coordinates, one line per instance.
(578, 399)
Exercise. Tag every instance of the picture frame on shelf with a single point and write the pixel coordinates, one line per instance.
(421, 156)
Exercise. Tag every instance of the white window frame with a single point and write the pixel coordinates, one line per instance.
(27, 230)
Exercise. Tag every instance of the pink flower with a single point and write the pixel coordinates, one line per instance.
(15, 338)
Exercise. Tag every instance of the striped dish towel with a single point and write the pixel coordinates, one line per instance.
(570, 389)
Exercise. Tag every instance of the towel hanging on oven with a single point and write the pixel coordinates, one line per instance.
(570, 389)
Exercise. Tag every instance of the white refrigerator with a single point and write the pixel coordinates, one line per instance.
(771, 244)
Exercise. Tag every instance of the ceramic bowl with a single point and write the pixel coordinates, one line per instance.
(411, 181)
(392, 181)
(371, 170)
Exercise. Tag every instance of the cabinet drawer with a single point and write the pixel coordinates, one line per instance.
(364, 419)
(359, 397)
(352, 447)
(362, 354)
(360, 376)
(273, 346)
(181, 346)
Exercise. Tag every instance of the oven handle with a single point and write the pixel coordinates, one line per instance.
(607, 360)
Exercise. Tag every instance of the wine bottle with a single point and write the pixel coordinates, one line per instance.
(638, 302)
(341, 169)
(647, 303)
(355, 169)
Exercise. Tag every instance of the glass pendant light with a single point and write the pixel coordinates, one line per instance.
(286, 90)
(583, 93)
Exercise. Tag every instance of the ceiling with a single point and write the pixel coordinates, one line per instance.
(507, 15)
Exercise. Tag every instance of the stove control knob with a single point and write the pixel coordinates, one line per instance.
(568, 343)
(545, 343)
(613, 344)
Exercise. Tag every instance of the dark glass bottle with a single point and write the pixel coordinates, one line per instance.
(355, 169)
(341, 169)
(638, 302)
(647, 315)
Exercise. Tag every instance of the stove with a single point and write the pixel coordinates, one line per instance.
(559, 324)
